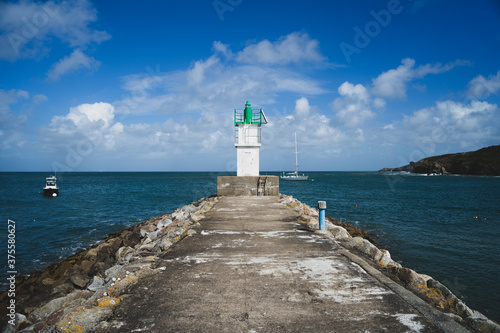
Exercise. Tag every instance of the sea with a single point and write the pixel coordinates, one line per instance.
(444, 226)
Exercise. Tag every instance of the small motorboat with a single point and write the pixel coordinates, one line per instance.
(50, 189)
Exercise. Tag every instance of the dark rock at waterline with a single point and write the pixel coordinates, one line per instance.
(352, 230)
(484, 162)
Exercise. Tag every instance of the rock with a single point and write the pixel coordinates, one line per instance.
(79, 280)
(184, 223)
(87, 317)
(114, 244)
(91, 254)
(173, 233)
(408, 277)
(48, 282)
(86, 265)
(177, 215)
(309, 211)
(338, 232)
(164, 230)
(195, 217)
(54, 317)
(108, 301)
(64, 288)
(40, 326)
(165, 243)
(383, 257)
(113, 271)
(363, 245)
(183, 212)
(104, 252)
(205, 207)
(147, 240)
(124, 254)
(147, 229)
(21, 322)
(312, 222)
(117, 286)
(132, 240)
(99, 268)
(313, 226)
(75, 298)
(163, 223)
(148, 247)
(153, 235)
(95, 283)
(480, 323)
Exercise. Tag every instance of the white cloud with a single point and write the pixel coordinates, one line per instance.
(26, 26)
(196, 75)
(13, 131)
(302, 107)
(168, 142)
(92, 129)
(313, 129)
(8, 97)
(393, 83)
(39, 98)
(220, 82)
(196, 106)
(84, 117)
(211, 85)
(111, 138)
(212, 141)
(354, 107)
(72, 63)
(294, 48)
(452, 123)
(379, 103)
(482, 87)
(224, 49)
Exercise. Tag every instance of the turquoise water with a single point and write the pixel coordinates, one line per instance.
(444, 226)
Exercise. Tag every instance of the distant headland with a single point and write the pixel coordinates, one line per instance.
(484, 162)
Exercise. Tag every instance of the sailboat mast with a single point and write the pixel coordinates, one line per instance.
(296, 154)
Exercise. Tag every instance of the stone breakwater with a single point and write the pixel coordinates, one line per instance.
(80, 293)
(77, 294)
(424, 286)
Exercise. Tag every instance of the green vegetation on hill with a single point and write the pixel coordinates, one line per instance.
(485, 161)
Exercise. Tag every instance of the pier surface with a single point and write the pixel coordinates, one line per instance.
(252, 268)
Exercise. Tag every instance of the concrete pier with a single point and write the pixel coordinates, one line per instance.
(252, 267)
(248, 185)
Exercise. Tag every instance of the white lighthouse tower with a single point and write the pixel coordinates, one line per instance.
(247, 139)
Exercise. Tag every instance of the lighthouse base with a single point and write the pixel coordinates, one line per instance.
(248, 186)
(247, 158)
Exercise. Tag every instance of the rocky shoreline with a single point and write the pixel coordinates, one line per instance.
(79, 293)
(424, 286)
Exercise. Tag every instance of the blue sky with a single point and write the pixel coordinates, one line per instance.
(151, 85)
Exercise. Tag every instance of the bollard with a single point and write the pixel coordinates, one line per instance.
(322, 208)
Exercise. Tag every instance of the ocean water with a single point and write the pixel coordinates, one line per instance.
(444, 226)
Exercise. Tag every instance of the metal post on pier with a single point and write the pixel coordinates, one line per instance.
(322, 208)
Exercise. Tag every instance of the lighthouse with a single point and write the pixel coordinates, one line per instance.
(247, 139)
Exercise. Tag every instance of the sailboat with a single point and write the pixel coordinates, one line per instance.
(294, 175)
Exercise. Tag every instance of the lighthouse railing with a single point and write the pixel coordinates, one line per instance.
(248, 137)
(239, 117)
